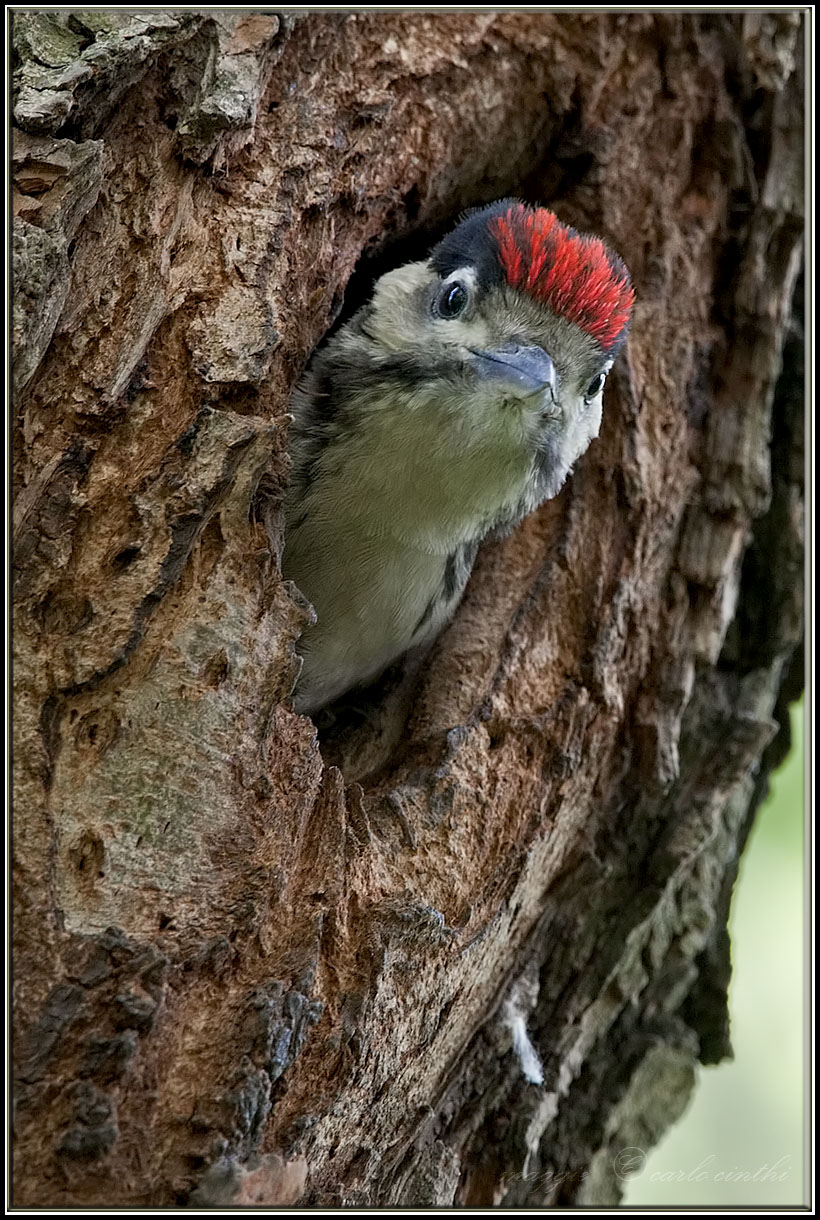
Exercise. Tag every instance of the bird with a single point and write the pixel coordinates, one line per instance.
(453, 403)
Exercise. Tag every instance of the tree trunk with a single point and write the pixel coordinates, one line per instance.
(250, 968)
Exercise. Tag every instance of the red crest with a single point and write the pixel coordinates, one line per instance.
(577, 276)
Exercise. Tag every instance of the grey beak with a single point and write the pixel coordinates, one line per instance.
(523, 368)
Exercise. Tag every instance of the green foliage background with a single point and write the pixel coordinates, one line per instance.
(741, 1142)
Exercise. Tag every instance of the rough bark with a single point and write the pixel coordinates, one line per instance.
(250, 968)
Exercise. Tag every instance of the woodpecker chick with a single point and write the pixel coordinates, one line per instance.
(449, 407)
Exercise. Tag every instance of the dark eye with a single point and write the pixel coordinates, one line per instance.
(594, 388)
(452, 300)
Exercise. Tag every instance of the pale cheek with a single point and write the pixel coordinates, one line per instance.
(460, 334)
(583, 430)
(398, 305)
(595, 414)
(397, 325)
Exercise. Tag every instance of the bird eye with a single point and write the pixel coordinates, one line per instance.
(594, 388)
(452, 300)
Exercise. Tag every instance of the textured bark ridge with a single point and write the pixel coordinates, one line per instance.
(250, 968)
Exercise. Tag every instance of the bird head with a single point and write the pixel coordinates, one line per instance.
(512, 323)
